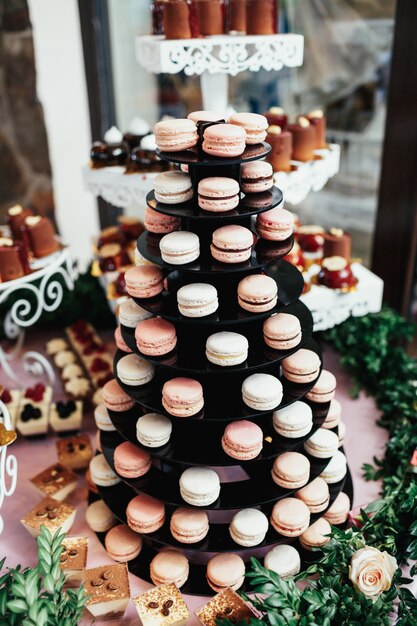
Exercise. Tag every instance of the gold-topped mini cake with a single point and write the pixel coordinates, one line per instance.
(109, 590)
(75, 452)
(74, 559)
(51, 514)
(56, 481)
(225, 605)
(162, 606)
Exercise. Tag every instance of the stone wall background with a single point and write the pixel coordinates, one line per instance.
(25, 170)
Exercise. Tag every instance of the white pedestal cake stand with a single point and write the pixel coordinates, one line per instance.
(35, 293)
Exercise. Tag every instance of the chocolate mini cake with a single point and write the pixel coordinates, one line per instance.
(236, 17)
(138, 129)
(303, 140)
(209, 17)
(337, 242)
(112, 257)
(276, 117)
(260, 17)
(130, 227)
(75, 452)
(176, 19)
(13, 260)
(111, 234)
(16, 216)
(318, 121)
(41, 236)
(281, 148)
(110, 152)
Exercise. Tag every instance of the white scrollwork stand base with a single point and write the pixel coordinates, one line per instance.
(8, 465)
(37, 292)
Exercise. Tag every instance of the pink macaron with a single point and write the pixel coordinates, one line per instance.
(189, 525)
(275, 225)
(257, 293)
(301, 367)
(204, 116)
(175, 135)
(167, 567)
(282, 331)
(145, 514)
(225, 570)
(256, 176)
(242, 440)
(155, 336)
(182, 396)
(130, 461)
(324, 389)
(159, 223)
(290, 517)
(123, 544)
(339, 510)
(224, 140)
(120, 342)
(144, 281)
(253, 124)
(217, 194)
(114, 398)
(232, 244)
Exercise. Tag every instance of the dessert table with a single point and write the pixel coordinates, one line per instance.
(33, 455)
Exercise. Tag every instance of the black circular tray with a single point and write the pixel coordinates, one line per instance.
(179, 451)
(290, 286)
(227, 406)
(197, 157)
(263, 253)
(257, 490)
(250, 204)
(189, 356)
(117, 498)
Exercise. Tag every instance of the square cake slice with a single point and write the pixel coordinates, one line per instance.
(162, 606)
(51, 514)
(225, 605)
(66, 416)
(56, 481)
(109, 590)
(74, 559)
(75, 452)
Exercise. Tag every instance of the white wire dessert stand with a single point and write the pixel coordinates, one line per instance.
(35, 293)
(8, 465)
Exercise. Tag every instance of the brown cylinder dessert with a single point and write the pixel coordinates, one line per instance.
(110, 152)
(303, 140)
(16, 216)
(281, 148)
(337, 242)
(260, 17)
(336, 273)
(276, 117)
(176, 19)
(318, 121)
(142, 161)
(236, 17)
(41, 236)
(157, 9)
(13, 260)
(209, 17)
(138, 129)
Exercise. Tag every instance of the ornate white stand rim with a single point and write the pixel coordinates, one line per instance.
(330, 308)
(309, 176)
(8, 465)
(37, 292)
(220, 54)
(119, 189)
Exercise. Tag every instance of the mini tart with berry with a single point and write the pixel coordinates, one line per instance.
(336, 273)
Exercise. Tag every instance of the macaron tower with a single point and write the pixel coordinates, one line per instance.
(223, 416)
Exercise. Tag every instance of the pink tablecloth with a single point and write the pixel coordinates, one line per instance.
(33, 456)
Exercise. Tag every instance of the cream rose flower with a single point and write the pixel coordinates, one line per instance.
(371, 571)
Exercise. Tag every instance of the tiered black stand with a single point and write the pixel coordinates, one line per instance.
(196, 440)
